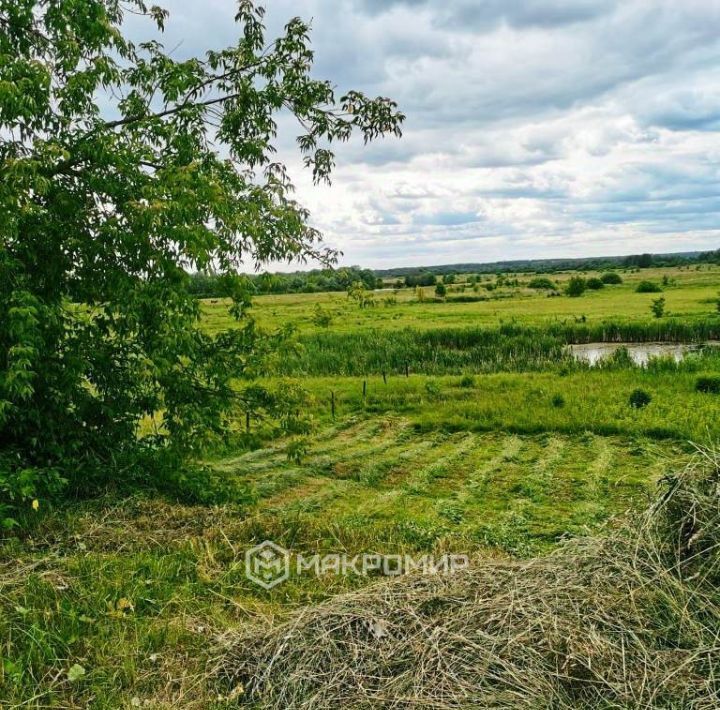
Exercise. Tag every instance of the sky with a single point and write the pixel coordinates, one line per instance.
(535, 128)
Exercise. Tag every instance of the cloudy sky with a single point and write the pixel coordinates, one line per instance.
(535, 128)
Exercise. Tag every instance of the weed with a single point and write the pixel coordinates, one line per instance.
(708, 385)
(639, 399)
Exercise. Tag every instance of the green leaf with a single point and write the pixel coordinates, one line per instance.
(75, 673)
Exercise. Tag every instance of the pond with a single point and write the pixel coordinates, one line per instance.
(640, 353)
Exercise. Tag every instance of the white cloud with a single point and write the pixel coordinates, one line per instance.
(535, 127)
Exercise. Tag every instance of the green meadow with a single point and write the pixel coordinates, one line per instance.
(690, 294)
(457, 424)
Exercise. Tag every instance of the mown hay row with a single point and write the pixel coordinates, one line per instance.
(631, 620)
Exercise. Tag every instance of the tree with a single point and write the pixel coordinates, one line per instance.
(658, 307)
(422, 278)
(641, 261)
(576, 286)
(358, 293)
(440, 290)
(123, 168)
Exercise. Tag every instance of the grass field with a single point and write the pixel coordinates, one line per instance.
(691, 294)
(494, 443)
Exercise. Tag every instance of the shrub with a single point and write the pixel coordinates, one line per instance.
(708, 385)
(467, 381)
(542, 282)
(432, 388)
(440, 290)
(611, 278)
(648, 287)
(658, 307)
(595, 284)
(621, 358)
(640, 399)
(321, 317)
(465, 298)
(576, 286)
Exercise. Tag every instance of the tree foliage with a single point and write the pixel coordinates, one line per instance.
(124, 168)
(423, 278)
(658, 307)
(360, 294)
(209, 285)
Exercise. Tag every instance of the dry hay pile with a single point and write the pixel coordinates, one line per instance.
(630, 620)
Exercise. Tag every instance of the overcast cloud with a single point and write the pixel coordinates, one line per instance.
(536, 128)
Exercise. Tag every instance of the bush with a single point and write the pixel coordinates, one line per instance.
(576, 286)
(611, 278)
(595, 284)
(440, 290)
(467, 381)
(648, 287)
(321, 317)
(640, 399)
(708, 385)
(558, 401)
(465, 298)
(432, 388)
(542, 282)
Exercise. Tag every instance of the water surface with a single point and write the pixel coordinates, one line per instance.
(640, 353)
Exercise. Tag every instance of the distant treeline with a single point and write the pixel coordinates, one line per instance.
(205, 285)
(208, 285)
(641, 261)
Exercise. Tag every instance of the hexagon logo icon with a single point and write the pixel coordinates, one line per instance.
(267, 564)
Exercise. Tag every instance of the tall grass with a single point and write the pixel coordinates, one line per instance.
(595, 400)
(513, 347)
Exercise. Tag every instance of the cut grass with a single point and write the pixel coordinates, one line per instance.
(460, 484)
(137, 591)
(132, 590)
(627, 620)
